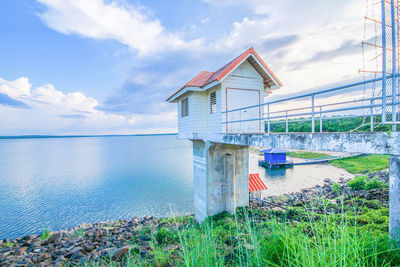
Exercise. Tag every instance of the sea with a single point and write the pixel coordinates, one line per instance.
(53, 183)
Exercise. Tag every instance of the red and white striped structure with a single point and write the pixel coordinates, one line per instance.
(255, 183)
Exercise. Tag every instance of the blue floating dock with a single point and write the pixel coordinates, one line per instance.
(275, 158)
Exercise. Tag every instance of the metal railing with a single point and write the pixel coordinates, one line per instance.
(386, 105)
(371, 107)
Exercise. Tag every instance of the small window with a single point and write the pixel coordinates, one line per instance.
(213, 102)
(185, 107)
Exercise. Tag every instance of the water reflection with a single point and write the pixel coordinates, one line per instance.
(276, 173)
(283, 181)
(62, 182)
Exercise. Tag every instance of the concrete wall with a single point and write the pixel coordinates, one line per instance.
(221, 181)
(372, 143)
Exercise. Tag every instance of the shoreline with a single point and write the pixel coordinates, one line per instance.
(115, 240)
(316, 176)
(272, 191)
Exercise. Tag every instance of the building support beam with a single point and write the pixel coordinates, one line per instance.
(221, 178)
(221, 165)
(369, 143)
(394, 198)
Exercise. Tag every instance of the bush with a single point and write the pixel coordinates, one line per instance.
(165, 235)
(374, 183)
(357, 183)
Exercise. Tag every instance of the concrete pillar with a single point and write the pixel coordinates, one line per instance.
(394, 197)
(221, 178)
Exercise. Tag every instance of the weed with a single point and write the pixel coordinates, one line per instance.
(374, 183)
(357, 183)
(46, 234)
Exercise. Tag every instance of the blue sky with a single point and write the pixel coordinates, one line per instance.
(106, 66)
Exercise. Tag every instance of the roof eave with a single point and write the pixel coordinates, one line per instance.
(251, 53)
(174, 98)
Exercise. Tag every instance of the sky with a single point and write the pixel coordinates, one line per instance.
(106, 66)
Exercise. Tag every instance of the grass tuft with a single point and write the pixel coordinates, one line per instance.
(366, 164)
(46, 234)
(308, 155)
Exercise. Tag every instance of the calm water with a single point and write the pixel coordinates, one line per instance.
(63, 182)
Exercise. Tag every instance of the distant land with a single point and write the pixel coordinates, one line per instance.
(74, 136)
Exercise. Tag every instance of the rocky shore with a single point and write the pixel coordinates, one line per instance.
(331, 190)
(91, 243)
(79, 245)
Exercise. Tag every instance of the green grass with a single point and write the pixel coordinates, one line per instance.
(367, 164)
(299, 237)
(308, 155)
(336, 124)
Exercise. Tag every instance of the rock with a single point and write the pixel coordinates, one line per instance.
(72, 252)
(144, 238)
(118, 253)
(20, 251)
(5, 254)
(60, 261)
(44, 257)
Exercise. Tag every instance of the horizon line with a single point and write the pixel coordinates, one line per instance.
(75, 136)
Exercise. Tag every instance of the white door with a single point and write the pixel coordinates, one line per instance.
(239, 98)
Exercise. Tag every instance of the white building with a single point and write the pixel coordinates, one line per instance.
(204, 101)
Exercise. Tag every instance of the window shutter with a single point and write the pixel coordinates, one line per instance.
(213, 102)
(185, 107)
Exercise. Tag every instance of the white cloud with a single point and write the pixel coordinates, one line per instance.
(54, 112)
(320, 27)
(112, 20)
(19, 88)
(205, 20)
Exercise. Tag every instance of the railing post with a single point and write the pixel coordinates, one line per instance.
(394, 67)
(269, 125)
(312, 114)
(320, 119)
(240, 119)
(383, 61)
(372, 116)
(287, 123)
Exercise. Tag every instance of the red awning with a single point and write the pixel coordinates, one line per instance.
(255, 183)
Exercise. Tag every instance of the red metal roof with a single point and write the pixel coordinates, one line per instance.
(200, 79)
(255, 183)
(206, 77)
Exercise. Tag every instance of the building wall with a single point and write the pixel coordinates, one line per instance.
(214, 120)
(199, 111)
(185, 124)
(196, 121)
(243, 77)
(200, 120)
